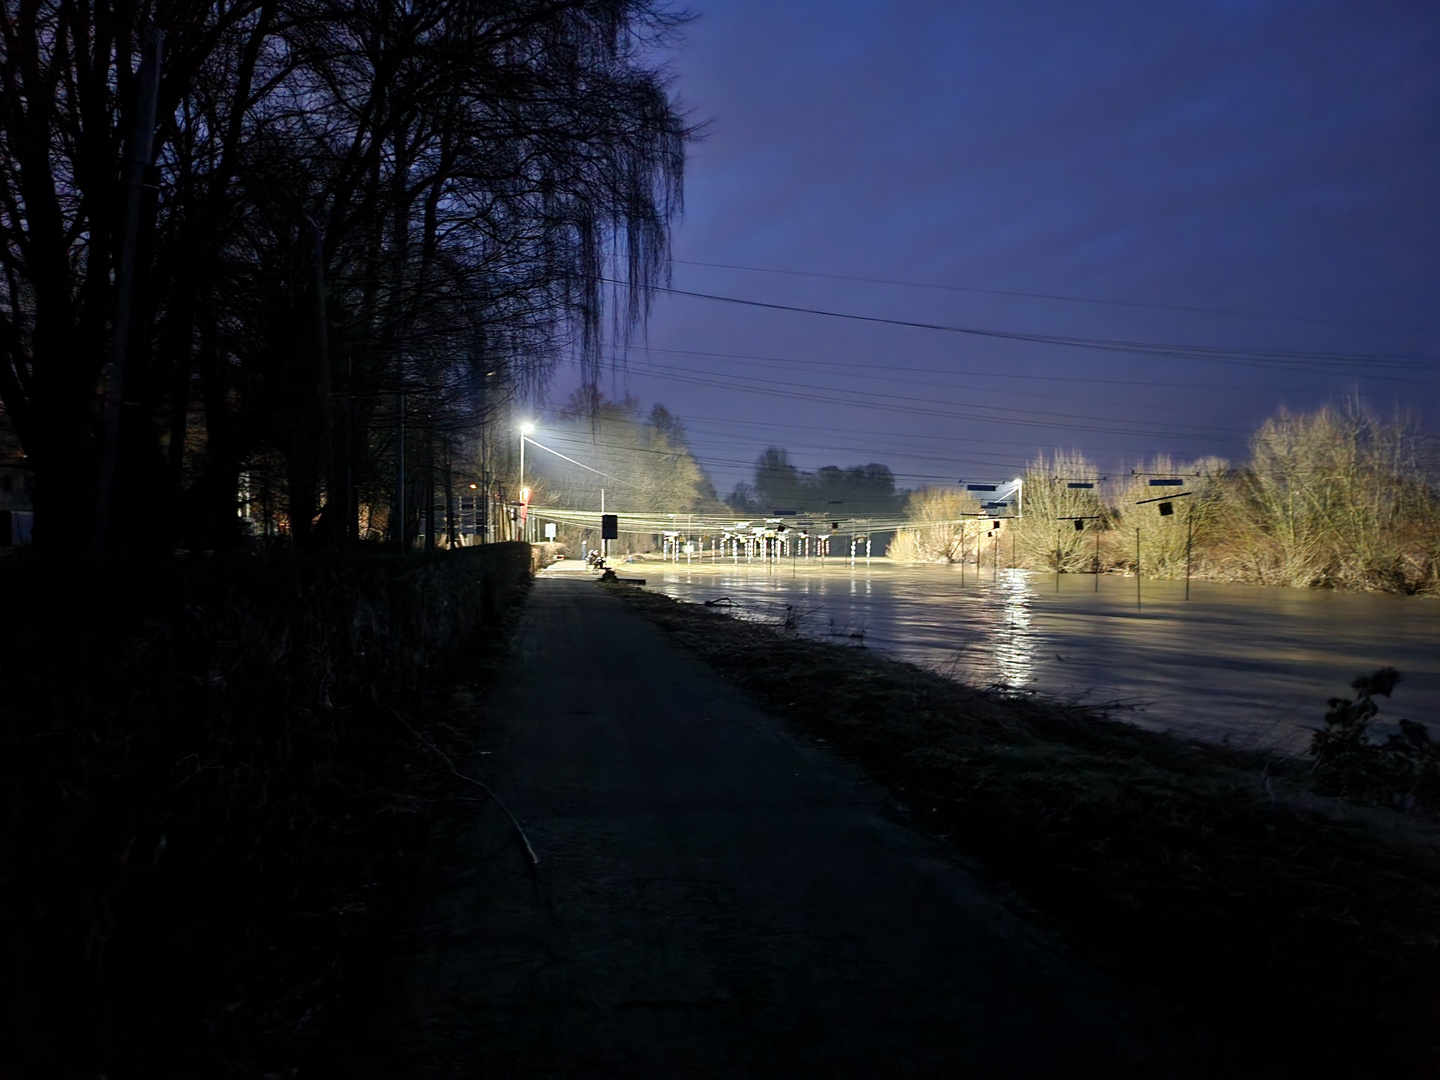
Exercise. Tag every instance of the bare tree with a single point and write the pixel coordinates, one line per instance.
(354, 206)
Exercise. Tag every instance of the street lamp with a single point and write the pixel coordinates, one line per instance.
(526, 428)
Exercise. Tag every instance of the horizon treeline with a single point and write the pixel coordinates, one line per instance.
(352, 235)
(861, 491)
(1336, 498)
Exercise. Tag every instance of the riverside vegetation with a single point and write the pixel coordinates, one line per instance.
(1302, 924)
(216, 773)
(1336, 499)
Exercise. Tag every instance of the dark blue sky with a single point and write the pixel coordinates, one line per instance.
(1278, 161)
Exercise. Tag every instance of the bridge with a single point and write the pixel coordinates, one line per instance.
(781, 534)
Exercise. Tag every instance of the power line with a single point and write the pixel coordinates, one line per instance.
(870, 394)
(1256, 358)
(868, 401)
(1046, 296)
(623, 358)
(703, 459)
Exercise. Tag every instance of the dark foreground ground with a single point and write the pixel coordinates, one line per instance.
(715, 897)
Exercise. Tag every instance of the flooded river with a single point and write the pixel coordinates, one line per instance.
(1250, 665)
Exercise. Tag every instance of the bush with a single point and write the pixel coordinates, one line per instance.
(1400, 771)
(192, 755)
(943, 529)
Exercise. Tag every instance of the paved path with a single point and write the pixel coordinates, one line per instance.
(716, 899)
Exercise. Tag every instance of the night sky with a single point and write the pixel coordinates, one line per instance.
(1257, 177)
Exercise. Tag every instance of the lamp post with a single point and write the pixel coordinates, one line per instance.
(526, 428)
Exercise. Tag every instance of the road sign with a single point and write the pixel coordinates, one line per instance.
(609, 526)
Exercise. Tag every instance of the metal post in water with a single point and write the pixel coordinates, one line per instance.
(1137, 567)
(1057, 556)
(1189, 539)
(1097, 559)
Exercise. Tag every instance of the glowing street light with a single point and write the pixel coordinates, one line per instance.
(527, 427)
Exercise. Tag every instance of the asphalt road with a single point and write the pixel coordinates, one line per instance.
(716, 898)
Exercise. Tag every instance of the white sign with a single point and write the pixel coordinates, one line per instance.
(550, 530)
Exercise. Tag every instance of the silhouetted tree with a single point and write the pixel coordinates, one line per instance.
(863, 491)
(354, 209)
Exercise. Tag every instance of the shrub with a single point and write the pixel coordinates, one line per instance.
(941, 531)
(1400, 770)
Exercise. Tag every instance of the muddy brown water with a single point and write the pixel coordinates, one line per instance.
(1253, 666)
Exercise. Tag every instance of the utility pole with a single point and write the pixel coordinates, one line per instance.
(1057, 556)
(138, 160)
(1097, 560)
(1189, 540)
(1137, 567)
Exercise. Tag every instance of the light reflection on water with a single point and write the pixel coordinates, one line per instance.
(1251, 665)
(1014, 650)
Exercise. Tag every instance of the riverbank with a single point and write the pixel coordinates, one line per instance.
(218, 774)
(1306, 925)
(1247, 665)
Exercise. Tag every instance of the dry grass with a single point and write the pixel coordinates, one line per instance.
(1307, 926)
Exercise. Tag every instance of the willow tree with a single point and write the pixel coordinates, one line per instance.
(352, 206)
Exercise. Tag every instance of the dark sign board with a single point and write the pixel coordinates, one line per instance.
(1166, 483)
(981, 487)
(609, 526)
